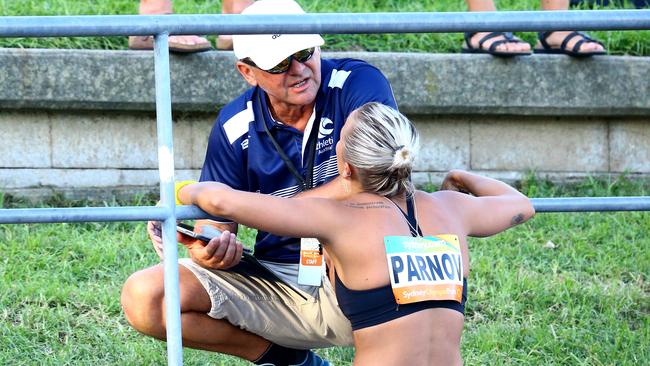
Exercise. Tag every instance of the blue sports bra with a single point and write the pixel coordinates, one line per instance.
(365, 308)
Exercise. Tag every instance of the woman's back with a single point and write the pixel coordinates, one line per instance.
(359, 252)
(363, 284)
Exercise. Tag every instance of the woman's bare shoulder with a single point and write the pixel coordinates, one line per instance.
(435, 196)
(439, 199)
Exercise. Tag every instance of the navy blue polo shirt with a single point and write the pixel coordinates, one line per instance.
(241, 155)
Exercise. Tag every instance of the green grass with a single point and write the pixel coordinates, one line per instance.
(619, 43)
(584, 302)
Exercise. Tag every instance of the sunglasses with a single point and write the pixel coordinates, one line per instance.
(300, 56)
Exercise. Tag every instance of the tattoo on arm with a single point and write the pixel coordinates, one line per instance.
(517, 219)
(367, 205)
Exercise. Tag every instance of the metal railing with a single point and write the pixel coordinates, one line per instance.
(329, 23)
(162, 26)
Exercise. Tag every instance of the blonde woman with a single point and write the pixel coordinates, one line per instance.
(399, 256)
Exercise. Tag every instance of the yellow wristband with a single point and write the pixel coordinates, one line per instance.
(179, 185)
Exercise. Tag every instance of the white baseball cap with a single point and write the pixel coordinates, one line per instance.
(268, 50)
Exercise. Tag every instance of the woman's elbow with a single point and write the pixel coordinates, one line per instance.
(522, 209)
(531, 209)
(528, 210)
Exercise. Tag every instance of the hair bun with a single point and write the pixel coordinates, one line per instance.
(402, 157)
(383, 145)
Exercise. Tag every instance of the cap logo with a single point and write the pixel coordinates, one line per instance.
(276, 36)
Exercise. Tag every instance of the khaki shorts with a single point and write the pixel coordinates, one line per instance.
(253, 299)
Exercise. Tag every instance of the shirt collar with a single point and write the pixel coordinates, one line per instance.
(259, 95)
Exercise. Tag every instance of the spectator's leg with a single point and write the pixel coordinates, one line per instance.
(555, 39)
(155, 7)
(224, 42)
(176, 43)
(512, 47)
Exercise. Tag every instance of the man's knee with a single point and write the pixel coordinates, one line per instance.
(142, 300)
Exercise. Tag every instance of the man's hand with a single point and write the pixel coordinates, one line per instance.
(222, 252)
(155, 235)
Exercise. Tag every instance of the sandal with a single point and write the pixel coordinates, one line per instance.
(146, 43)
(508, 38)
(574, 51)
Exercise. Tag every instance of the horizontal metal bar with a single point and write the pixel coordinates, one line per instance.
(591, 204)
(191, 212)
(145, 213)
(83, 214)
(324, 23)
(96, 214)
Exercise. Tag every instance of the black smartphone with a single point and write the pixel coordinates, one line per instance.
(208, 233)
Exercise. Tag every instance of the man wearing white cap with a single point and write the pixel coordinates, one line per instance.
(277, 138)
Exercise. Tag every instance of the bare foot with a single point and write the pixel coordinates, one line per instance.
(176, 43)
(189, 40)
(224, 42)
(183, 44)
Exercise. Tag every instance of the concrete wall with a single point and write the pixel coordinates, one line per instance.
(82, 123)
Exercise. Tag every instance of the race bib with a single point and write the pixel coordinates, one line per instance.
(425, 268)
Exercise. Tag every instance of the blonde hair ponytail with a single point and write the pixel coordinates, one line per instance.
(382, 146)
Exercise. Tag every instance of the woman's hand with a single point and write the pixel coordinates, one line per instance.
(454, 182)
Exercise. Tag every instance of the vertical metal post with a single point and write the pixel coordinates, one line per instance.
(166, 170)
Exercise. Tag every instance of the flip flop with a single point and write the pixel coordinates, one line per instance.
(574, 51)
(146, 43)
(508, 38)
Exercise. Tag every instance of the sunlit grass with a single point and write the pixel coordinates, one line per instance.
(585, 301)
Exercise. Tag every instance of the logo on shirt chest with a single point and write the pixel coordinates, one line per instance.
(325, 139)
(325, 145)
(326, 127)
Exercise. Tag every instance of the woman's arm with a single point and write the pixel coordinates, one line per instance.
(295, 217)
(491, 206)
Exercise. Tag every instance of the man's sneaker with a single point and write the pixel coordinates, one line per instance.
(313, 360)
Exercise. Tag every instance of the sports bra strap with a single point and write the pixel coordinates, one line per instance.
(410, 215)
(413, 220)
